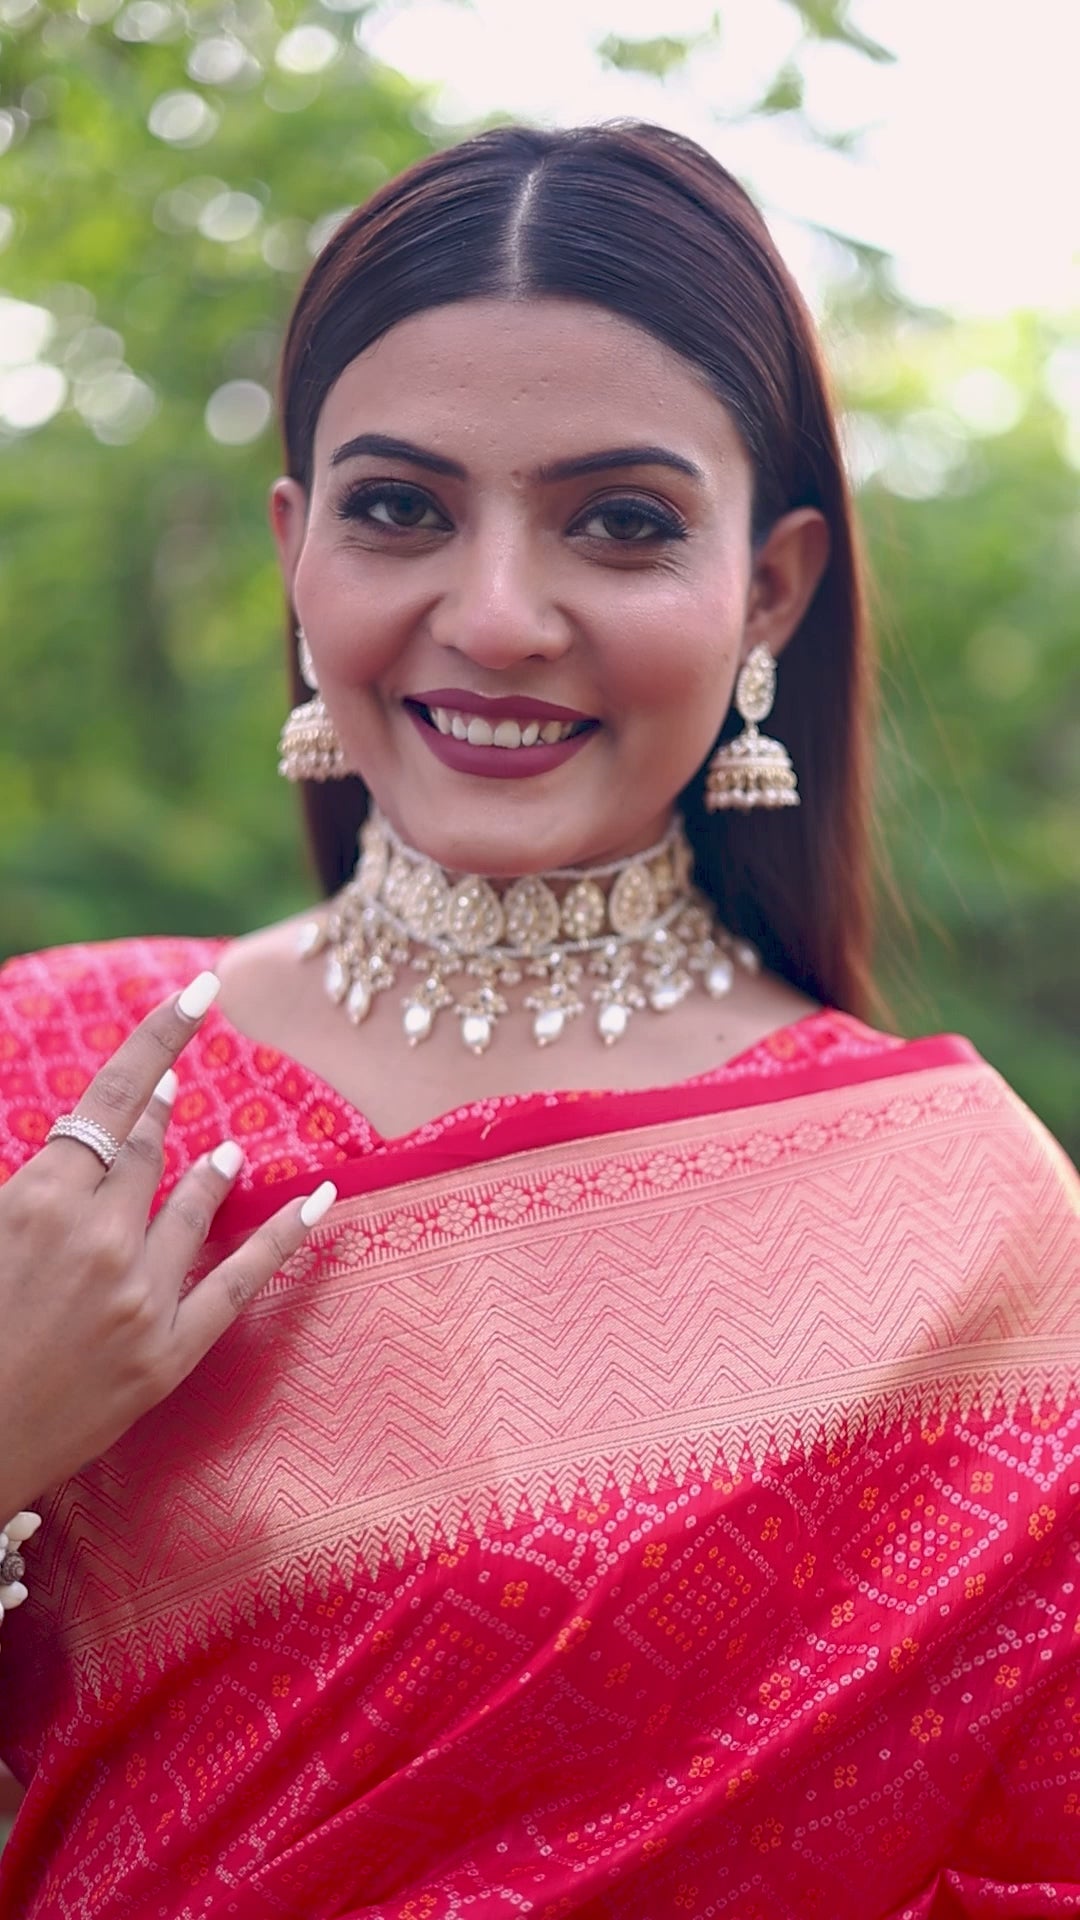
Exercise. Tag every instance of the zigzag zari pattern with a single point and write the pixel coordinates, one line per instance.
(473, 1351)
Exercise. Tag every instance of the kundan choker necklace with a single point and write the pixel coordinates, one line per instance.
(618, 938)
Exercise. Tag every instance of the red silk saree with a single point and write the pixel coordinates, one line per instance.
(633, 1505)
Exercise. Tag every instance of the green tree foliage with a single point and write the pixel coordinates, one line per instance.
(168, 173)
(666, 53)
(663, 54)
(968, 439)
(138, 594)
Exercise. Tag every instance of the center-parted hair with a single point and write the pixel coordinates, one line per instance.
(644, 223)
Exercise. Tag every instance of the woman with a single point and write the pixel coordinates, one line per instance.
(652, 1489)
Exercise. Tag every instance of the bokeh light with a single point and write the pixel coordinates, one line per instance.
(182, 119)
(238, 412)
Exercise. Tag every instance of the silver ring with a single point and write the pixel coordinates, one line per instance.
(76, 1126)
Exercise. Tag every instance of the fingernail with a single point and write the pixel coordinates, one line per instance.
(318, 1203)
(165, 1091)
(200, 995)
(22, 1526)
(227, 1159)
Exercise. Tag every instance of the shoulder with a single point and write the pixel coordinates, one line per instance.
(88, 988)
(937, 1085)
(950, 1181)
(159, 954)
(845, 1049)
(980, 1163)
(64, 1011)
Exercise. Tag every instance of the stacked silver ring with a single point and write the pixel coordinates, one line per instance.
(76, 1126)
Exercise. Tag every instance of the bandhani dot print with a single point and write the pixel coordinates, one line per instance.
(274, 1171)
(104, 1036)
(65, 1082)
(782, 1046)
(322, 1123)
(135, 988)
(35, 1007)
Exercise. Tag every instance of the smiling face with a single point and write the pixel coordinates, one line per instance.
(526, 577)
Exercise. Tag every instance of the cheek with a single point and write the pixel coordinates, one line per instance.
(355, 624)
(681, 646)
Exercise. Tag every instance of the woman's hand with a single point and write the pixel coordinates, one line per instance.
(94, 1331)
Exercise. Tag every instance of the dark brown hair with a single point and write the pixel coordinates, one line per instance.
(646, 224)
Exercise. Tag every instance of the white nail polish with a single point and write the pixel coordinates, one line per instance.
(22, 1526)
(200, 995)
(227, 1159)
(165, 1091)
(318, 1203)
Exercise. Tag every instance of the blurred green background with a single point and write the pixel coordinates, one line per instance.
(166, 174)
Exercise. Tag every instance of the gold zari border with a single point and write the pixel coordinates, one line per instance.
(450, 1355)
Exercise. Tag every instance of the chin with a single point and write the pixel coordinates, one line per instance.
(497, 850)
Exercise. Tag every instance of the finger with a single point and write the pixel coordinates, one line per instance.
(118, 1094)
(214, 1303)
(137, 1174)
(186, 1214)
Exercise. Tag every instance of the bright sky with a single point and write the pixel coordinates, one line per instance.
(969, 170)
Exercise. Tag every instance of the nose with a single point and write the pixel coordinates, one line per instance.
(496, 608)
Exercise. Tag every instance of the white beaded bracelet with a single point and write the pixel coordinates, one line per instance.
(12, 1565)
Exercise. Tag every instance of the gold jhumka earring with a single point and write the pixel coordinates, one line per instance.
(752, 770)
(309, 748)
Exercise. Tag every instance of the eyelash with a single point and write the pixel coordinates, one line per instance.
(358, 501)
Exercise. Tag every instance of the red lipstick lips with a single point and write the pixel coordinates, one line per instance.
(498, 762)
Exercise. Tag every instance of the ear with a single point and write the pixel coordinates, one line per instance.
(787, 570)
(288, 524)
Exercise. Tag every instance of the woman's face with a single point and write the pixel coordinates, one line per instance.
(529, 522)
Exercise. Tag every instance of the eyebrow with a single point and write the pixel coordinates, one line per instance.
(388, 447)
(609, 457)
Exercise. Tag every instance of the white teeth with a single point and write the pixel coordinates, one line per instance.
(509, 734)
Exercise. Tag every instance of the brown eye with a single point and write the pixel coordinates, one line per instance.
(630, 523)
(402, 509)
(626, 523)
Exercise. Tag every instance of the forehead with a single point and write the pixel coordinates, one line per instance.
(529, 380)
